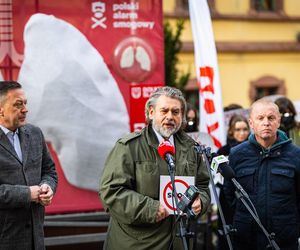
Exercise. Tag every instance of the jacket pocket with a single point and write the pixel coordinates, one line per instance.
(147, 179)
(282, 180)
(246, 179)
(137, 232)
(190, 168)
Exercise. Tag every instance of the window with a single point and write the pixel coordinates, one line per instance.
(265, 91)
(264, 86)
(267, 6)
(182, 6)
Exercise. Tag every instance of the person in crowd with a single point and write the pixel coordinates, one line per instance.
(288, 122)
(238, 131)
(192, 129)
(267, 166)
(130, 182)
(28, 177)
(232, 106)
(192, 120)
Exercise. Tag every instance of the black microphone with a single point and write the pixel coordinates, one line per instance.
(166, 151)
(220, 164)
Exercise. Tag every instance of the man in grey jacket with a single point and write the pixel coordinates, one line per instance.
(28, 178)
(130, 183)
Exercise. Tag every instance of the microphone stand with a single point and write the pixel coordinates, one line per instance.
(182, 230)
(240, 194)
(205, 153)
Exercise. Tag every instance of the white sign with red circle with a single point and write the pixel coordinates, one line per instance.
(166, 190)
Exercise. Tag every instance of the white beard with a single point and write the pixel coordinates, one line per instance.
(164, 132)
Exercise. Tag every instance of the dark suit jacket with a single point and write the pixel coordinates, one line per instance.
(21, 221)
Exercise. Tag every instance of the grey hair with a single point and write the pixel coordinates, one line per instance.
(169, 92)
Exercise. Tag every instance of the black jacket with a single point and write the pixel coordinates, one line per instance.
(272, 180)
(225, 150)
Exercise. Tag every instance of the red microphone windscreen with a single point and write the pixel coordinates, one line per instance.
(164, 148)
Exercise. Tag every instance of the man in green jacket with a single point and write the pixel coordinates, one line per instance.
(130, 183)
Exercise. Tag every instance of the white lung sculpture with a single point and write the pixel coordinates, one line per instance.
(72, 96)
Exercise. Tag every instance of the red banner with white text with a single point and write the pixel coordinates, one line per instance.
(78, 62)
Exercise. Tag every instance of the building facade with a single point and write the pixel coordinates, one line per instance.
(258, 46)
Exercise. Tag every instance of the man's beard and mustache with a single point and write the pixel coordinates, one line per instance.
(165, 132)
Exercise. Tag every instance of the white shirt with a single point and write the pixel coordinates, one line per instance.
(14, 140)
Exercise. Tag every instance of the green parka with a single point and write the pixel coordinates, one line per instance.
(129, 189)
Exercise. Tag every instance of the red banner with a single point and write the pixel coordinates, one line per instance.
(139, 94)
(127, 35)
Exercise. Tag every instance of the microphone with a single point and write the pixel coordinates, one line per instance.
(166, 151)
(220, 164)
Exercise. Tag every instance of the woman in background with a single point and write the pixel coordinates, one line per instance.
(238, 131)
(288, 122)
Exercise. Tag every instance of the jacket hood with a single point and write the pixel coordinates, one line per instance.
(281, 139)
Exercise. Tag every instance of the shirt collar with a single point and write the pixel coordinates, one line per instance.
(6, 130)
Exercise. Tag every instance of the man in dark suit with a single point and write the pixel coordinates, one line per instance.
(28, 178)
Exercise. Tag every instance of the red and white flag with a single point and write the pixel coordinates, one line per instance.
(211, 107)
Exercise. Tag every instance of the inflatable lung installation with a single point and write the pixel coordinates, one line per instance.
(72, 96)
